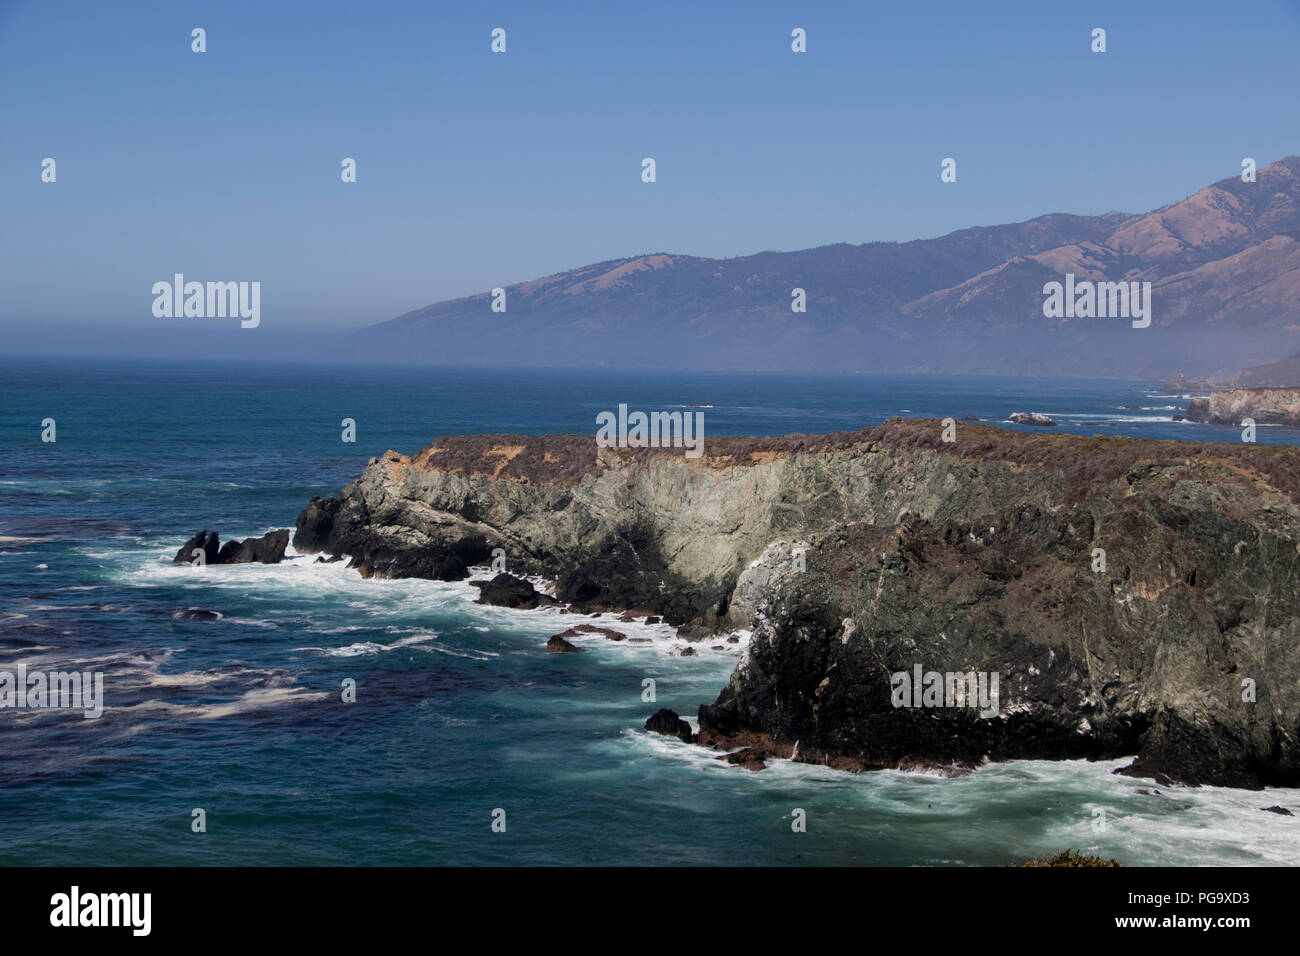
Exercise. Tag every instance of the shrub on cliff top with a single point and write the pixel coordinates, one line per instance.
(1069, 858)
(1085, 462)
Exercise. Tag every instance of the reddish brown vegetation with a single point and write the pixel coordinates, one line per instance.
(1084, 462)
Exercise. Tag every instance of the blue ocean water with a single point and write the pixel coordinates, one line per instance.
(460, 711)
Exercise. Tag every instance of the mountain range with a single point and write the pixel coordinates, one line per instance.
(1224, 264)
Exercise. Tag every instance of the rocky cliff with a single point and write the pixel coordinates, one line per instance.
(1117, 596)
(1266, 406)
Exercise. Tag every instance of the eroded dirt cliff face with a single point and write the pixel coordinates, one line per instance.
(860, 556)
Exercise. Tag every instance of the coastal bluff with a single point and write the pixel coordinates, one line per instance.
(1265, 406)
(1132, 597)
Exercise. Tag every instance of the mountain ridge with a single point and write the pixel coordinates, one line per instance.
(1224, 264)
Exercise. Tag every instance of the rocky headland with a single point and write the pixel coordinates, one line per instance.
(1265, 406)
(1130, 597)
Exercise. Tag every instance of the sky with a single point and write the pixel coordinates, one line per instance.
(477, 169)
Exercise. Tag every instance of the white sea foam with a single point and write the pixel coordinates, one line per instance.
(259, 698)
(1078, 417)
(1035, 807)
(365, 648)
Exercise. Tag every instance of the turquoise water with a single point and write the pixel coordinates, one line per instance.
(460, 709)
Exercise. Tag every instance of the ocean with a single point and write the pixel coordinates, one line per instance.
(222, 684)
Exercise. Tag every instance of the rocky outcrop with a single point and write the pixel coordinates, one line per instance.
(1138, 621)
(1031, 418)
(204, 542)
(268, 549)
(505, 590)
(1179, 383)
(1265, 406)
(403, 550)
(1104, 596)
(581, 630)
(665, 721)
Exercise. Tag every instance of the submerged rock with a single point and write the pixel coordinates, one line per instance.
(196, 614)
(581, 629)
(748, 758)
(694, 633)
(560, 645)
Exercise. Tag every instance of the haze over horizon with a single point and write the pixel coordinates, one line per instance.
(478, 170)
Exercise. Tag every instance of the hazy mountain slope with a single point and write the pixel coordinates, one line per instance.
(1223, 263)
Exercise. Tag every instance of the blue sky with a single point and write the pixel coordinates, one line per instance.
(477, 170)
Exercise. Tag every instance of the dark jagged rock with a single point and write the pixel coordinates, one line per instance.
(315, 524)
(505, 590)
(205, 541)
(561, 646)
(666, 722)
(857, 556)
(325, 525)
(1090, 664)
(630, 571)
(1199, 410)
(580, 629)
(748, 758)
(268, 549)
(1283, 811)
